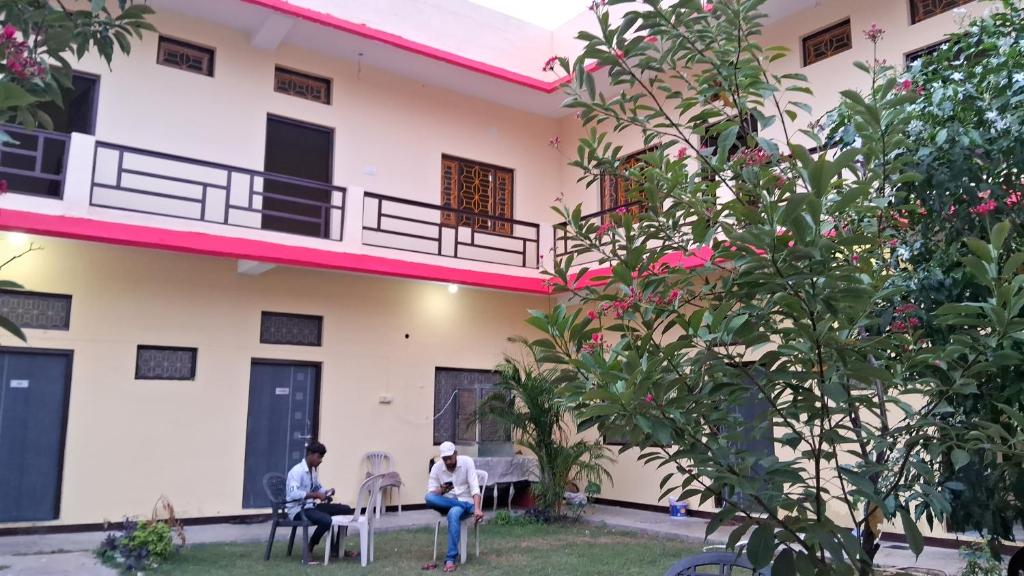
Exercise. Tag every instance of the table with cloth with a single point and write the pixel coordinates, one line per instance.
(507, 470)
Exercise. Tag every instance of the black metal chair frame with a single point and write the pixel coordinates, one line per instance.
(277, 494)
(725, 561)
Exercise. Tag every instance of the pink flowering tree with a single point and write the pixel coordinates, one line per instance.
(767, 372)
(966, 140)
(38, 39)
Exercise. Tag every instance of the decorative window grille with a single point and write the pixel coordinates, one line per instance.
(302, 85)
(827, 43)
(185, 56)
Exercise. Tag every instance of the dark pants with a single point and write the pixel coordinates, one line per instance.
(320, 515)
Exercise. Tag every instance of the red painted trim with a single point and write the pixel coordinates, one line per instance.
(246, 249)
(364, 31)
(694, 258)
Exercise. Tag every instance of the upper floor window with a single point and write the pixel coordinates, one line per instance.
(302, 85)
(185, 56)
(915, 55)
(618, 189)
(925, 9)
(477, 190)
(827, 43)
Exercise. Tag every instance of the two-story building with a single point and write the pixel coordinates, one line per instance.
(278, 220)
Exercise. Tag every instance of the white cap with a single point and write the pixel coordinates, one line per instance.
(447, 449)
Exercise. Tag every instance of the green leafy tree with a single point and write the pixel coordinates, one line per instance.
(527, 401)
(787, 332)
(967, 143)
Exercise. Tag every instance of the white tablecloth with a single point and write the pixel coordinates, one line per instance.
(508, 469)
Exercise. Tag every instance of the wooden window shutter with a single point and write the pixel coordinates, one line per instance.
(476, 190)
(503, 200)
(449, 173)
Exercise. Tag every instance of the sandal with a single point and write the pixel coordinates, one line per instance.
(429, 566)
(450, 566)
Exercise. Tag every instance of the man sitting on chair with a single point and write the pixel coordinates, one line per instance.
(454, 490)
(304, 491)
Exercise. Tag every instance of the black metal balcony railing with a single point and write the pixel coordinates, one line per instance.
(402, 224)
(35, 162)
(565, 246)
(141, 181)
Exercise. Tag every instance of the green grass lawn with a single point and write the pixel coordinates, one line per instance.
(513, 550)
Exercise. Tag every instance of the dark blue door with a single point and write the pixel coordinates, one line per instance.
(33, 410)
(281, 421)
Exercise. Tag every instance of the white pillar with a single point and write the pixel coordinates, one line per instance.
(78, 174)
(352, 236)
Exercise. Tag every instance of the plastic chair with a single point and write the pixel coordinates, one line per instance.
(381, 463)
(481, 477)
(274, 485)
(362, 519)
(723, 562)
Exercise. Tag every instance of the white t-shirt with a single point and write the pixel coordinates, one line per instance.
(463, 478)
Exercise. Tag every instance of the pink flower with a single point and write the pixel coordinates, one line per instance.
(894, 243)
(898, 326)
(649, 398)
(9, 31)
(597, 337)
(984, 208)
(855, 259)
(708, 7)
(597, 5)
(682, 153)
(984, 194)
(905, 308)
(621, 210)
(592, 315)
(908, 86)
(829, 234)
(554, 142)
(673, 295)
(753, 156)
(914, 322)
(651, 39)
(1013, 199)
(620, 54)
(604, 228)
(549, 64)
(874, 34)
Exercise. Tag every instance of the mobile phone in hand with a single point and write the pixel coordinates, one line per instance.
(329, 493)
(447, 487)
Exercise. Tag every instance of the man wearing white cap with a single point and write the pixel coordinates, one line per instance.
(454, 490)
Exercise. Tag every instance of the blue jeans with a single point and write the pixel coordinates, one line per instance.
(456, 511)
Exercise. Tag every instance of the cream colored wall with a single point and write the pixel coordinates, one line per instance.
(385, 124)
(130, 441)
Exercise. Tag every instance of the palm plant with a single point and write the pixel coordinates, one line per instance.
(526, 400)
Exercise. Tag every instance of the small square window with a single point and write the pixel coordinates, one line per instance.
(302, 85)
(827, 43)
(185, 56)
(165, 363)
(294, 329)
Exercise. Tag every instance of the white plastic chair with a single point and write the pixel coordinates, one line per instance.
(481, 477)
(362, 519)
(380, 463)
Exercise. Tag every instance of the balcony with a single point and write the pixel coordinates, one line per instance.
(143, 192)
